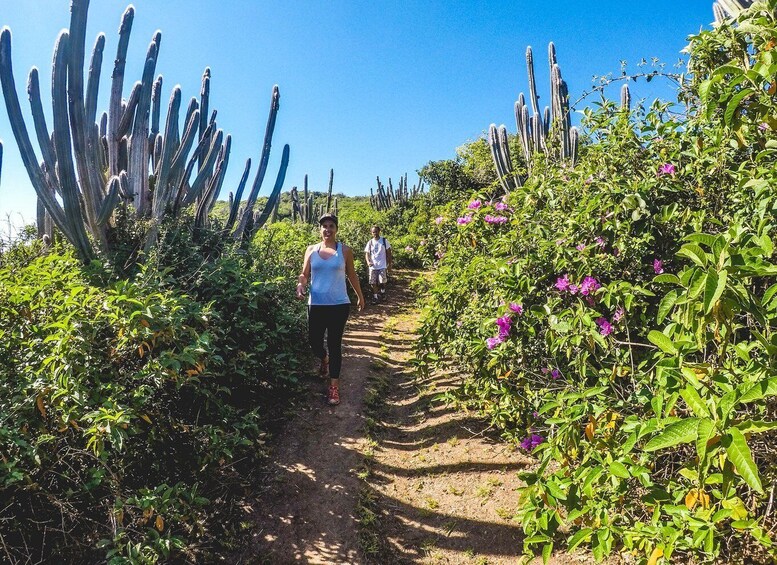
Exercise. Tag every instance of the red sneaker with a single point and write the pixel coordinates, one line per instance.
(334, 396)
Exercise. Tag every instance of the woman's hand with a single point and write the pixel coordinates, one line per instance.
(360, 303)
(300, 291)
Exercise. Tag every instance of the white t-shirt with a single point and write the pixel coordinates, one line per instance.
(377, 250)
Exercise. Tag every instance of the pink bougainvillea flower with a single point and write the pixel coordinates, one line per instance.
(535, 414)
(492, 342)
(601, 242)
(501, 207)
(438, 220)
(589, 286)
(619, 313)
(545, 370)
(555, 374)
(474, 205)
(464, 220)
(494, 219)
(605, 328)
(580, 246)
(504, 323)
(589, 180)
(439, 254)
(763, 126)
(532, 441)
(409, 249)
(658, 266)
(562, 283)
(422, 243)
(515, 307)
(573, 288)
(666, 169)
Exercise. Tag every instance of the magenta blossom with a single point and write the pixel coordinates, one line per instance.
(573, 288)
(555, 374)
(474, 205)
(619, 313)
(409, 249)
(494, 219)
(464, 220)
(658, 266)
(545, 370)
(438, 220)
(589, 286)
(580, 246)
(601, 242)
(589, 180)
(763, 126)
(562, 283)
(504, 323)
(515, 307)
(501, 207)
(492, 342)
(532, 441)
(605, 328)
(535, 414)
(666, 169)
(422, 243)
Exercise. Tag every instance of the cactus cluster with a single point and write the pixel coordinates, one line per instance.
(550, 133)
(90, 166)
(386, 197)
(305, 209)
(723, 9)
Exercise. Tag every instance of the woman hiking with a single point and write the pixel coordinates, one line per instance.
(326, 266)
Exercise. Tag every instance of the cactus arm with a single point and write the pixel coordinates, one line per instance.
(262, 169)
(221, 171)
(162, 191)
(138, 150)
(235, 203)
(110, 201)
(276, 191)
(574, 140)
(504, 149)
(117, 85)
(182, 182)
(93, 82)
(39, 121)
(308, 217)
(185, 145)
(329, 193)
(204, 101)
(496, 157)
(204, 174)
(532, 82)
(128, 110)
(156, 105)
(65, 169)
(625, 98)
(38, 179)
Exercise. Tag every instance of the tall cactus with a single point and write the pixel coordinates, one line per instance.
(89, 165)
(329, 192)
(549, 132)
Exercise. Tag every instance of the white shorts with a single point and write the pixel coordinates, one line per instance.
(378, 276)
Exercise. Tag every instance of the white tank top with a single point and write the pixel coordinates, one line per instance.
(327, 279)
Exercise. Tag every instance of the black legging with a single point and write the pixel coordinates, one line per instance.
(332, 320)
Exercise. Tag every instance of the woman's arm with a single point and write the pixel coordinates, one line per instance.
(353, 278)
(304, 276)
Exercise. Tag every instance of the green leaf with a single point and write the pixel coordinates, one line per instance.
(666, 305)
(769, 294)
(579, 537)
(733, 104)
(555, 490)
(713, 288)
(739, 454)
(703, 238)
(547, 551)
(684, 431)
(694, 402)
(619, 470)
(662, 342)
(666, 278)
(756, 426)
(705, 432)
(694, 253)
(767, 387)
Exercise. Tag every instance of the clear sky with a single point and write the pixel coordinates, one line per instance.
(367, 87)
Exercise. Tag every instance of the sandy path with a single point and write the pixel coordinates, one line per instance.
(308, 516)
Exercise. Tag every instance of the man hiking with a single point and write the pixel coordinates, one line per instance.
(378, 255)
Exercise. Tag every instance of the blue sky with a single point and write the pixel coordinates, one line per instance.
(367, 88)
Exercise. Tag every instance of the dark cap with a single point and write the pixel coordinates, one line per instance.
(328, 216)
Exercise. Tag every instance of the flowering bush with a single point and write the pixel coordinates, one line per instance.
(640, 367)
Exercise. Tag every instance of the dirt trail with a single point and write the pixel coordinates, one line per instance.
(439, 488)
